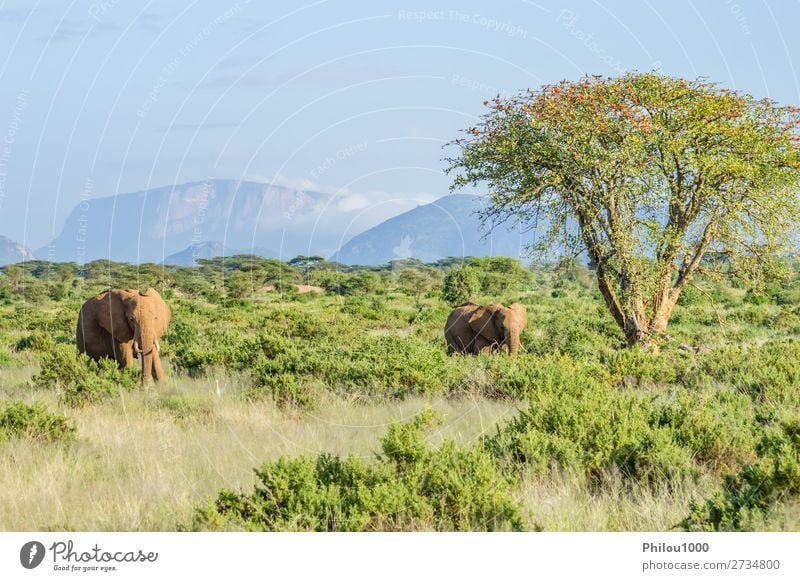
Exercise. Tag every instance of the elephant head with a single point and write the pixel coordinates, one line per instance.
(141, 317)
(500, 325)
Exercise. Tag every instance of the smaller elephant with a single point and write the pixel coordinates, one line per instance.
(123, 325)
(473, 329)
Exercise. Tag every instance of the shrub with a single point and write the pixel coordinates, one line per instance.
(573, 431)
(767, 373)
(580, 424)
(690, 295)
(35, 422)
(37, 341)
(372, 309)
(753, 297)
(460, 285)
(82, 380)
(747, 497)
(409, 486)
(285, 390)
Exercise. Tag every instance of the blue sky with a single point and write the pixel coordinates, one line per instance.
(105, 96)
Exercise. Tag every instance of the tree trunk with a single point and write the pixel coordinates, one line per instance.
(636, 328)
(610, 296)
(663, 310)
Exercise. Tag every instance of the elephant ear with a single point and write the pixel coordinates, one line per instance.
(484, 322)
(111, 314)
(161, 308)
(164, 316)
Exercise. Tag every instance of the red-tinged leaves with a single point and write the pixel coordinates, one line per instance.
(609, 152)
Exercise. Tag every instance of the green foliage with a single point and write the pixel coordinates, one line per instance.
(284, 389)
(692, 413)
(35, 422)
(578, 423)
(409, 486)
(460, 285)
(373, 309)
(753, 297)
(81, 380)
(769, 373)
(748, 496)
(498, 275)
(40, 341)
(240, 284)
(657, 172)
(416, 282)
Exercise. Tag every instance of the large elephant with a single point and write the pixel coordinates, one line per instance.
(474, 329)
(122, 325)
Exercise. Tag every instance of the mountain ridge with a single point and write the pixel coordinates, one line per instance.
(447, 227)
(150, 225)
(12, 252)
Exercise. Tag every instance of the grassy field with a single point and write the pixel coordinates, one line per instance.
(341, 411)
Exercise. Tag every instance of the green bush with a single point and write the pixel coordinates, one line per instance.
(577, 422)
(409, 486)
(459, 286)
(372, 309)
(750, 495)
(767, 373)
(753, 297)
(35, 422)
(691, 295)
(37, 341)
(285, 390)
(81, 380)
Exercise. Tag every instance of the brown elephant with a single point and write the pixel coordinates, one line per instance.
(474, 329)
(122, 325)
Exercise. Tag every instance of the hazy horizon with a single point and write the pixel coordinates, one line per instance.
(104, 97)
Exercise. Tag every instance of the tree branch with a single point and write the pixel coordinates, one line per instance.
(710, 300)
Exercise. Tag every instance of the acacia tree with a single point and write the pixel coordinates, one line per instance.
(416, 282)
(647, 174)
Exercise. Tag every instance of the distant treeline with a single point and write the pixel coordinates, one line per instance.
(243, 275)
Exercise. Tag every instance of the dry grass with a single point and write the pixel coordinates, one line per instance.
(568, 502)
(144, 461)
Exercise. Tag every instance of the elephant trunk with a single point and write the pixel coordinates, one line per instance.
(151, 363)
(512, 341)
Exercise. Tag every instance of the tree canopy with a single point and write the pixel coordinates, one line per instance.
(647, 174)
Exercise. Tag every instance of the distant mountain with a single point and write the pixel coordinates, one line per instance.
(189, 256)
(150, 225)
(11, 252)
(447, 227)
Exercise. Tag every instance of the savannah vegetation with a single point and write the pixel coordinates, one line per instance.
(341, 410)
(658, 388)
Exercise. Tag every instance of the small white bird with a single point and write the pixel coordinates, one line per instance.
(219, 391)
